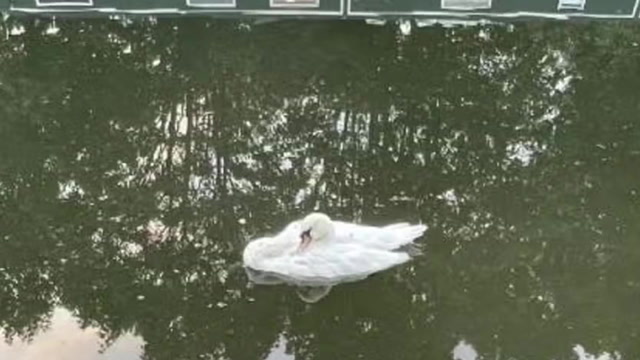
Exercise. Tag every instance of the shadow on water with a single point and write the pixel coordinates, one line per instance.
(136, 160)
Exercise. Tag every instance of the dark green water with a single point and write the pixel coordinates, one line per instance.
(136, 160)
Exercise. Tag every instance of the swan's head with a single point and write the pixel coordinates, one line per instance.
(315, 227)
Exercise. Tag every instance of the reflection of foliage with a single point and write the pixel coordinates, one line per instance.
(129, 152)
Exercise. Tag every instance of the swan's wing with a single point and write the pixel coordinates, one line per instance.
(331, 264)
(389, 237)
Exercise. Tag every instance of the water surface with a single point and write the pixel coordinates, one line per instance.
(137, 159)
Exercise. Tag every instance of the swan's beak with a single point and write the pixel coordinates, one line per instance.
(305, 240)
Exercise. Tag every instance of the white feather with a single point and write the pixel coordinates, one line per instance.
(351, 253)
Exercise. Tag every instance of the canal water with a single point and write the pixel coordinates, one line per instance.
(138, 158)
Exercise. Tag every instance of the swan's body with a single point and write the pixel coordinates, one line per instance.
(319, 252)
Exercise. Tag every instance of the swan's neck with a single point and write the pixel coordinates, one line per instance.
(327, 235)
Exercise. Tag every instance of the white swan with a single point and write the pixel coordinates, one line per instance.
(319, 252)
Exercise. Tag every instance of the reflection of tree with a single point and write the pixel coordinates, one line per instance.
(131, 151)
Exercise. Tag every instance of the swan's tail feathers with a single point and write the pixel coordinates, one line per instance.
(397, 226)
(403, 235)
(412, 249)
(410, 233)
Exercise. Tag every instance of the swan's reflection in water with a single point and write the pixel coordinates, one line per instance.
(308, 294)
(312, 294)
